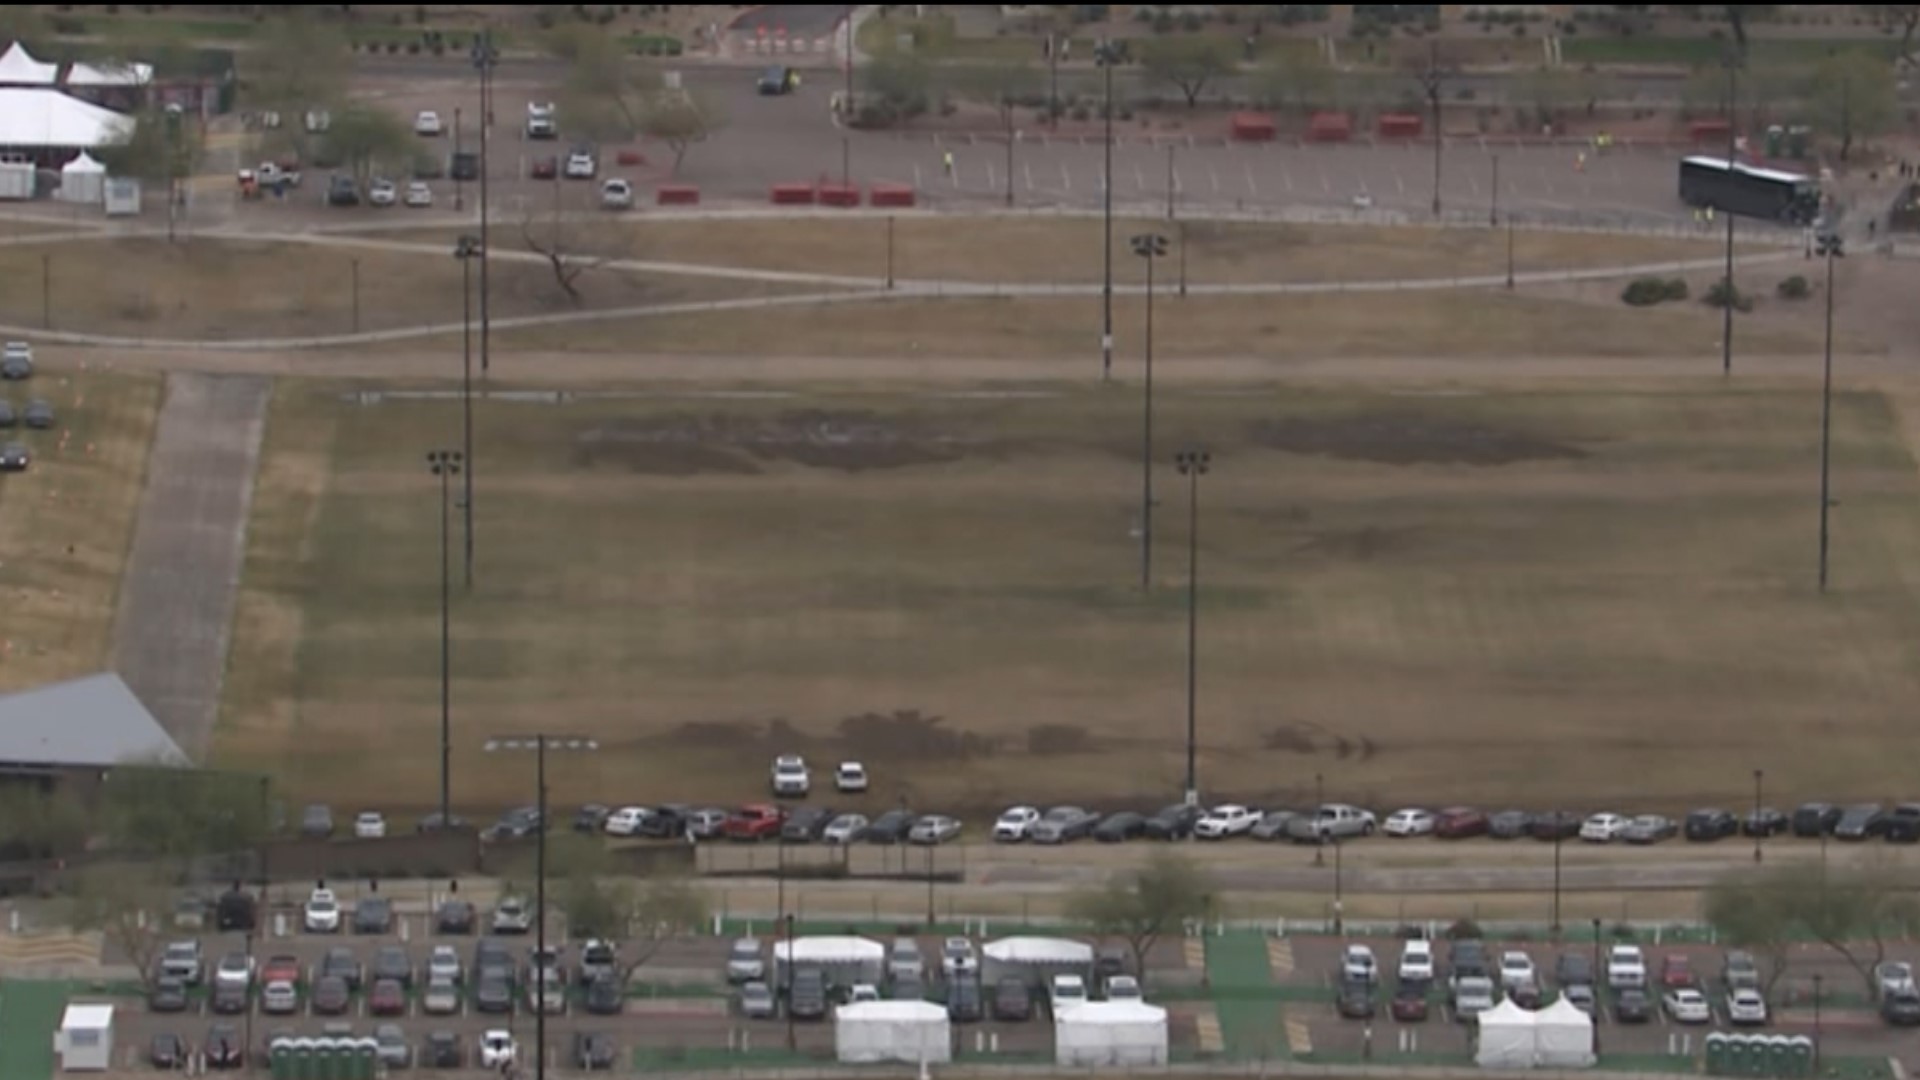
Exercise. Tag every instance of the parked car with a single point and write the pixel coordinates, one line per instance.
(1861, 822)
(183, 960)
(228, 1000)
(1173, 822)
(1332, 821)
(167, 1051)
(1711, 824)
(1603, 828)
(1120, 827)
(1510, 825)
(963, 1001)
(1765, 821)
(606, 995)
(426, 123)
(1064, 991)
(1677, 972)
(1416, 961)
(279, 997)
(540, 121)
(1123, 988)
(756, 1002)
(1626, 967)
(382, 192)
(850, 778)
(392, 962)
(844, 829)
(1460, 822)
(1354, 1000)
(789, 777)
(1410, 822)
(754, 822)
(616, 193)
(546, 167)
(1221, 822)
(1815, 819)
(669, 821)
(1648, 829)
(1516, 967)
(443, 962)
(625, 821)
(582, 166)
(1273, 825)
(493, 993)
(1358, 965)
(1892, 977)
(373, 915)
(1015, 823)
(1901, 1010)
(1556, 825)
(1062, 824)
(454, 917)
(746, 962)
(1687, 1006)
(593, 1050)
(512, 915)
(1746, 1007)
(934, 829)
(442, 1051)
(805, 824)
(1580, 996)
(342, 191)
(958, 959)
(224, 1048)
(497, 1049)
(891, 827)
(1903, 824)
(807, 994)
(1410, 1002)
(340, 960)
(387, 998)
(38, 415)
(1632, 1006)
(516, 824)
(331, 996)
(390, 1046)
(904, 961)
(169, 995)
(322, 913)
(591, 818)
(369, 825)
(1011, 1000)
(16, 360)
(441, 997)
(1472, 996)
(1467, 958)
(1739, 971)
(778, 80)
(1573, 969)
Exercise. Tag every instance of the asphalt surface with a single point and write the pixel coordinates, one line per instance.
(177, 595)
(795, 19)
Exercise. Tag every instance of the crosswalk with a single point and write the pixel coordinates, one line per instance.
(49, 949)
(1195, 953)
(1207, 1032)
(1299, 1035)
(1280, 957)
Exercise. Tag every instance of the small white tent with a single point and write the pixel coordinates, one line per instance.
(85, 1039)
(1506, 1038)
(82, 180)
(844, 960)
(84, 74)
(1114, 1033)
(909, 1031)
(1563, 1037)
(19, 68)
(1035, 959)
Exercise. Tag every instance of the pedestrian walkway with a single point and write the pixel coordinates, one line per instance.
(1245, 996)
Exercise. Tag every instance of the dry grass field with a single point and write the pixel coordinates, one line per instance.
(66, 523)
(1596, 594)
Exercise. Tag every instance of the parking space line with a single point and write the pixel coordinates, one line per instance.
(1214, 175)
(991, 186)
(1400, 181)
(1326, 185)
(1280, 956)
(917, 182)
(1251, 189)
(1066, 178)
(1299, 1035)
(1473, 185)
(1027, 170)
(1207, 1032)
(1194, 952)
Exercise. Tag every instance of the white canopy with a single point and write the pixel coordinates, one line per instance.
(1038, 950)
(909, 1031)
(19, 68)
(111, 74)
(1112, 1033)
(1506, 1037)
(830, 950)
(1563, 1037)
(49, 118)
(83, 165)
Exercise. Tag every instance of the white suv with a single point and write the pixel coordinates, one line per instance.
(790, 776)
(1626, 967)
(850, 778)
(323, 912)
(1416, 961)
(1015, 823)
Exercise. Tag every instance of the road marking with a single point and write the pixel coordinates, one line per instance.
(1177, 188)
(1206, 1029)
(1299, 1035)
(1251, 189)
(1286, 178)
(1066, 178)
(1326, 185)
(1027, 169)
(1194, 951)
(917, 182)
(1139, 179)
(1280, 956)
(991, 186)
(1400, 181)
(1214, 175)
(1473, 185)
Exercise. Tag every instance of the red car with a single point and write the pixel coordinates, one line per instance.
(545, 168)
(281, 968)
(387, 998)
(1410, 1002)
(1460, 822)
(1676, 973)
(754, 821)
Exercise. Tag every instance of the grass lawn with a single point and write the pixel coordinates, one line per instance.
(1586, 594)
(1698, 51)
(225, 290)
(30, 1012)
(66, 523)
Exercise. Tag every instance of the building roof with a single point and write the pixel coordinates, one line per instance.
(81, 1016)
(34, 117)
(93, 721)
(112, 74)
(19, 68)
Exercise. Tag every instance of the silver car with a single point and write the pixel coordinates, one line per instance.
(442, 997)
(756, 1001)
(444, 964)
(904, 962)
(1063, 823)
(279, 998)
(16, 360)
(745, 962)
(391, 1045)
(933, 829)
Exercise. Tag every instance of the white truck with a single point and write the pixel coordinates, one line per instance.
(1626, 967)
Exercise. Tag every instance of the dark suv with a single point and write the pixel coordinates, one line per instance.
(807, 995)
(1861, 822)
(1815, 819)
(342, 191)
(1903, 824)
(1173, 822)
(1711, 825)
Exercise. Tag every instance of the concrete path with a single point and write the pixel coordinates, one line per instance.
(177, 595)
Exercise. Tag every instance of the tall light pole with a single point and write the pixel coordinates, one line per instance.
(459, 185)
(1493, 208)
(1319, 800)
(485, 56)
(1559, 834)
(1107, 54)
(1817, 980)
(846, 114)
(1830, 248)
(1726, 316)
(1193, 465)
(445, 464)
(467, 248)
(539, 744)
(1149, 246)
(1757, 775)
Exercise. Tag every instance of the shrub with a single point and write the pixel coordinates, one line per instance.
(1720, 296)
(1794, 288)
(1644, 292)
(1464, 929)
(1676, 289)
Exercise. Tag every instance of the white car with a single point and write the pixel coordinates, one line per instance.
(957, 958)
(1123, 988)
(1747, 1007)
(1894, 977)
(1015, 823)
(427, 123)
(17, 354)
(626, 821)
(581, 166)
(323, 912)
(1409, 822)
(497, 1048)
(235, 969)
(844, 829)
(1224, 821)
(370, 825)
(1363, 201)
(382, 193)
(850, 778)
(1067, 990)
(540, 120)
(790, 777)
(616, 194)
(1688, 1006)
(1603, 828)
(1516, 970)
(444, 963)
(1357, 964)
(419, 195)
(1416, 961)
(1626, 967)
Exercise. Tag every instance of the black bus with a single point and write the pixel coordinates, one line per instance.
(1749, 192)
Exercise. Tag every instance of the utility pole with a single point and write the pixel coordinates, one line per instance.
(1106, 54)
(444, 464)
(1830, 249)
(1150, 247)
(1726, 308)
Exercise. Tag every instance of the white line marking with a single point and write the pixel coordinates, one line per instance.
(1066, 178)
(1251, 189)
(917, 182)
(1139, 179)
(1028, 170)
(1214, 175)
(991, 186)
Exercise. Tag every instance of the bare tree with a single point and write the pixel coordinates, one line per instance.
(1141, 906)
(1854, 97)
(1851, 911)
(572, 248)
(1756, 911)
(1902, 19)
(1187, 64)
(295, 66)
(641, 913)
(680, 119)
(127, 905)
(1433, 74)
(604, 95)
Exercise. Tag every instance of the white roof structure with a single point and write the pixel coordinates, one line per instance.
(1112, 1033)
(1038, 950)
(829, 950)
(84, 165)
(1563, 1037)
(1506, 1037)
(892, 1011)
(81, 1017)
(49, 118)
(915, 1032)
(19, 68)
(110, 74)
(90, 722)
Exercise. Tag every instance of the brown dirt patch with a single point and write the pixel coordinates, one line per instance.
(1408, 439)
(686, 444)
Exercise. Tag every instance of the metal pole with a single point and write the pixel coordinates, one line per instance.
(1509, 251)
(789, 980)
(1493, 211)
(459, 185)
(1053, 82)
(1146, 448)
(846, 142)
(1817, 979)
(1726, 314)
(1558, 836)
(46, 291)
(780, 878)
(483, 51)
(1008, 108)
(1193, 631)
(540, 911)
(1169, 181)
(1433, 66)
(1182, 241)
(1338, 887)
(466, 410)
(356, 295)
(1757, 774)
(1826, 418)
(889, 251)
(446, 662)
(1596, 948)
(1319, 799)
(1106, 184)
(930, 913)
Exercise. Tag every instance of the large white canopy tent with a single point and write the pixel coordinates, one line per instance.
(41, 119)
(876, 1031)
(1034, 959)
(1506, 1038)
(82, 180)
(844, 960)
(1563, 1037)
(98, 75)
(1110, 1033)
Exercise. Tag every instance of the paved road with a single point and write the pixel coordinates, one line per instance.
(177, 595)
(795, 19)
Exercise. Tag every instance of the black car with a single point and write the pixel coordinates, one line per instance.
(1012, 1000)
(805, 824)
(225, 1049)
(342, 191)
(454, 917)
(392, 962)
(1573, 969)
(515, 824)
(1815, 819)
(1556, 825)
(229, 1000)
(1125, 825)
(890, 828)
(776, 81)
(1509, 825)
(1173, 822)
(1901, 1010)
(442, 1051)
(1466, 958)
(1903, 824)
(331, 996)
(494, 993)
(963, 1001)
(1704, 825)
(168, 996)
(807, 995)
(235, 910)
(1354, 1000)
(37, 415)
(1861, 822)
(1632, 1006)
(340, 962)
(15, 457)
(373, 915)
(604, 996)
(435, 823)
(167, 1051)
(666, 822)
(593, 1050)
(1765, 821)
(591, 818)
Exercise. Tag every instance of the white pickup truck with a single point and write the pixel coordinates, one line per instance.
(270, 173)
(1626, 967)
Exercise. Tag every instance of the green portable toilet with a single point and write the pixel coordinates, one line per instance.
(1716, 1054)
(366, 1058)
(1799, 137)
(1800, 1049)
(1737, 1051)
(334, 1054)
(1779, 1059)
(303, 1059)
(1762, 1060)
(1776, 140)
(280, 1058)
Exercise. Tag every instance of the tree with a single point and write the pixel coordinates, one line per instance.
(180, 813)
(1739, 16)
(1306, 84)
(679, 118)
(38, 823)
(572, 247)
(25, 25)
(128, 905)
(603, 96)
(157, 146)
(1187, 64)
(162, 46)
(296, 65)
(1902, 19)
(1854, 97)
(1550, 92)
(1756, 912)
(1142, 905)
(1851, 911)
(366, 139)
(642, 913)
(1432, 74)
(900, 84)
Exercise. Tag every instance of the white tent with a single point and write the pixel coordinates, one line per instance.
(1114, 1033)
(845, 960)
(49, 118)
(1034, 959)
(85, 1039)
(82, 180)
(1563, 1037)
(1506, 1038)
(84, 74)
(19, 68)
(909, 1031)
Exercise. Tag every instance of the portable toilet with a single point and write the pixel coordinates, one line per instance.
(1716, 1049)
(304, 1054)
(1799, 137)
(1759, 1062)
(280, 1058)
(85, 1039)
(365, 1058)
(1779, 1056)
(1800, 1048)
(1737, 1055)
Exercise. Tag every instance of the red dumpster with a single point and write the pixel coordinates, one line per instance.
(793, 194)
(1330, 127)
(1252, 127)
(677, 195)
(1400, 125)
(896, 195)
(1708, 131)
(837, 194)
